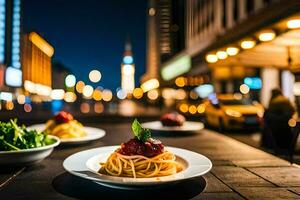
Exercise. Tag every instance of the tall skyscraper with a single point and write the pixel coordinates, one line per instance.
(165, 34)
(127, 69)
(10, 25)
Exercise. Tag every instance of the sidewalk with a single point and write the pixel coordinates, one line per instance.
(243, 171)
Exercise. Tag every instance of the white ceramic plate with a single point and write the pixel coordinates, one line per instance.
(27, 156)
(91, 134)
(85, 164)
(188, 126)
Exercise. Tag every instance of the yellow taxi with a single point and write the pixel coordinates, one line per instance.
(232, 112)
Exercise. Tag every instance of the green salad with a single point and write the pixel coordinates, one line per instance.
(14, 137)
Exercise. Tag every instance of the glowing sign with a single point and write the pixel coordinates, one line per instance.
(180, 66)
(253, 82)
(13, 77)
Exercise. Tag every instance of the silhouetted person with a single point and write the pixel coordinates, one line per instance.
(276, 118)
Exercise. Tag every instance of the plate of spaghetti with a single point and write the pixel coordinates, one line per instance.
(139, 162)
(68, 129)
(173, 122)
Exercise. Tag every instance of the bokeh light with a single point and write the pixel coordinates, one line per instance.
(27, 107)
(70, 80)
(184, 108)
(232, 51)
(128, 69)
(201, 108)
(211, 58)
(248, 44)
(193, 95)
(244, 89)
(150, 85)
(107, 95)
(9, 105)
(57, 94)
(222, 55)
(192, 109)
(87, 91)
(70, 97)
(121, 94)
(180, 94)
(95, 76)
(97, 95)
(138, 93)
(85, 108)
(79, 86)
(180, 81)
(152, 94)
(98, 107)
(21, 99)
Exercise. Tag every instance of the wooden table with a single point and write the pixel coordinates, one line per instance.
(239, 171)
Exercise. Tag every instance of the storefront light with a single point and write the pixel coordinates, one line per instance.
(232, 51)
(221, 55)
(248, 44)
(294, 23)
(211, 58)
(267, 35)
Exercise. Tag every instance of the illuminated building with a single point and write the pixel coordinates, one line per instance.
(127, 70)
(237, 42)
(165, 35)
(36, 62)
(10, 25)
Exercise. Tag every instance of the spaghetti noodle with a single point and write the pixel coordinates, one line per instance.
(138, 166)
(64, 126)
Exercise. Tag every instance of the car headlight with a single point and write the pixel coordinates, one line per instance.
(233, 113)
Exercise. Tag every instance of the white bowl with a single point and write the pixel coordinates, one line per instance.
(27, 156)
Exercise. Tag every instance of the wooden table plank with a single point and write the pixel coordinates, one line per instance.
(266, 193)
(281, 176)
(236, 176)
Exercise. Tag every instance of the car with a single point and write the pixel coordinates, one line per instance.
(233, 112)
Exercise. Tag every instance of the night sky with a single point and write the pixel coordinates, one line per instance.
(90, 34)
